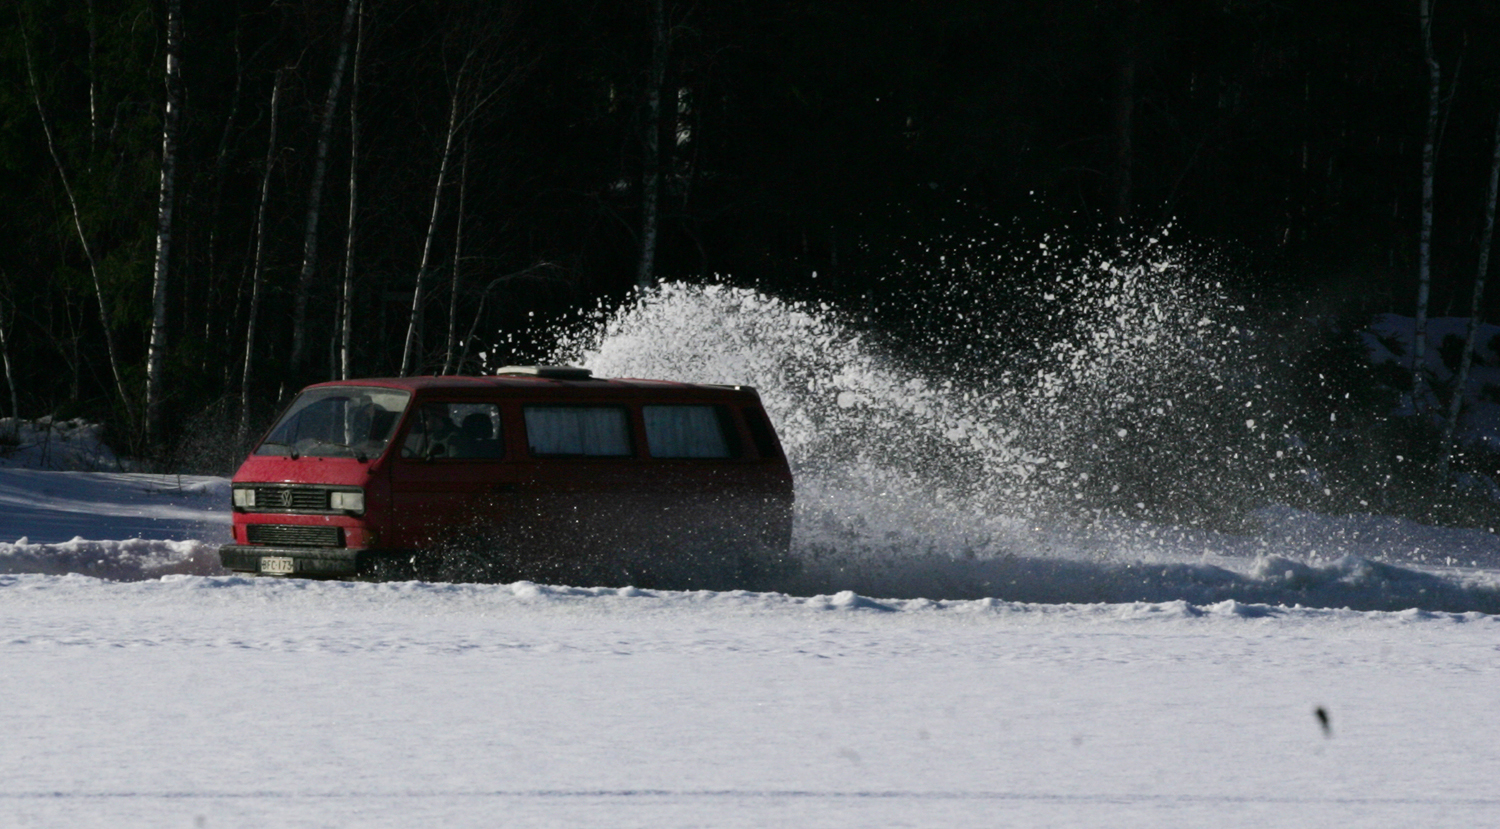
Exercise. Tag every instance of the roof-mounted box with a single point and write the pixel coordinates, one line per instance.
(550, 372)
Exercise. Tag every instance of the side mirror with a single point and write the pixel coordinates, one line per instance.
(435, 450)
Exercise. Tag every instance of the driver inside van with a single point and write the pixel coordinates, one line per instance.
(433, 434)
(430, 435)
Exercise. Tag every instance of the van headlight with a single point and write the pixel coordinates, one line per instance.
(244, 498)
(348, 501)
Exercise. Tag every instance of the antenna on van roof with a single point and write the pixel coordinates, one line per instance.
(549, 372)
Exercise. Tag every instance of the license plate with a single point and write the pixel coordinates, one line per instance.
(277, 565)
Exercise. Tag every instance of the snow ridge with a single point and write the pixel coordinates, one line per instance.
(172, 593)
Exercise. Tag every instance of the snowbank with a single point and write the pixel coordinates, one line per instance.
(130, 560)
(1389, 341)
(1272, 580)
(46, 443)
(180, 592)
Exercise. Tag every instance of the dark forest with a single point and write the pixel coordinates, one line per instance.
(209, 205)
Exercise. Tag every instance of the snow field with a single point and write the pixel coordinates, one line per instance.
(230, 702)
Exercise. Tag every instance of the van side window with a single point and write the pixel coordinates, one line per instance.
(762, 433)
(455, 430)
(591, 431)
(686, 432)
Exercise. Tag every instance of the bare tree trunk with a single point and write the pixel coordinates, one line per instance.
(256, 274)
(156, 354)
(10, 378)
(1476, 311)
(484, 296)
(1124, 118)
(346, 295)
(211, 311)
(652, 165)
(315, 197)
(411, 357)
(1419, 391)
(88, 251)
(458, 245)
(93, 79)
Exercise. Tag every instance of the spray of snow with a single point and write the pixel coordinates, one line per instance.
(1011, 478)
(963, 463)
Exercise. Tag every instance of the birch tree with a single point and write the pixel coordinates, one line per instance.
(10, 378)
(256, 269)
(1419, 390)
(411, 356)
(458, 246)
(345, 327)
(93, 76)
(652, 164)
(1124, 115)
(315, 195)
(221, 161)
(474, 86)
(1476, 311)
(105, 323)
(155, 358)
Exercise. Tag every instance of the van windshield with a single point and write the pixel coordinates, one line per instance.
(337, 422)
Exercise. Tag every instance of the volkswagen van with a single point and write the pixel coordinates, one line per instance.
(541, 473)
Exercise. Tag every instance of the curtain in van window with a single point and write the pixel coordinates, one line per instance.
(577, 430)
(685, 432)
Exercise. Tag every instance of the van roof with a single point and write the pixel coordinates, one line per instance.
(514, 380)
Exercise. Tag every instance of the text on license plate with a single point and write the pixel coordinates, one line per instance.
(278, 565)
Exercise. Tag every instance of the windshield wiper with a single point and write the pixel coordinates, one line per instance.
(291, 450)
(358, 454)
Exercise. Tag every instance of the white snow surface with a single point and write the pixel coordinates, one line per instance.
(142, 686)
(229, 702)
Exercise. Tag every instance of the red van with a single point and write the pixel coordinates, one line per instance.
(540, 472)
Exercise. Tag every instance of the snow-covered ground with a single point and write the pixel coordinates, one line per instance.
(140, 695)
(223, 702)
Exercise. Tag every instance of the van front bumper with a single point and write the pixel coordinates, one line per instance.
(313, 562)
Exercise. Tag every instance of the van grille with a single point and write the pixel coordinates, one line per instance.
(280, 498)
(294, 536)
